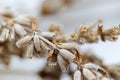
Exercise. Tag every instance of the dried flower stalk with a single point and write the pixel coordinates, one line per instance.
(20, 36)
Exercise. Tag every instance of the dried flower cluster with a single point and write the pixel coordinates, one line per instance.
(87, 34)
(19, 36)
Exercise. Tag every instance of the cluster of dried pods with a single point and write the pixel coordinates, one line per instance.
(19, 35)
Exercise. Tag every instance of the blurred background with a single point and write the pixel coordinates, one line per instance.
(70, 16)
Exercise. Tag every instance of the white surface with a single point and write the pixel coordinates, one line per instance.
(82, 12)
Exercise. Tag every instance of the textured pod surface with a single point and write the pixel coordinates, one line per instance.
(68, 45)
(29, 51)
(7, 34)
(44, 46)
(20, 30)
(23, 20)
(12, 33)
(4, 35)
(104, 78)
(64, 64)
(77, 75)
(37, 42)
(48, 35)
(22, 42)
(88, 74)
(91, 66)
(67, 54)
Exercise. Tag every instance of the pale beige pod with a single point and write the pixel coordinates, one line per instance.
(23, 20)
(77, 75)
(64, 64)
(22, 42)
(48, 35)
(68, 46)
(44, 46)
(3, 35)
(29, 51)
(104, 78)
(7, 34)
(19, 30)
(88, 74)
(36, 42)
(3, 23)
(12, 33)
(91, 66)
(67, 54)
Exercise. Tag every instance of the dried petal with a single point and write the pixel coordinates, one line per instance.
(104, 78)
(48, 35)
(67, 54)
(63, 63)
(77, 75)
(23, 41)
(19, 30)
(23, 20)
(7, 34)
(52, 58)
(91, 66)
(2, 22)
(3, 35)
(44, 46)
(37, 42)
(68, 46)
(29, 51)
(12, 33)
(88, 74)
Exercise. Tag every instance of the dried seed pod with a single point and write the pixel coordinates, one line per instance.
(22, 42)
(29, 51)
(7, 34)
(68, 46)
(91, 66)
(4, 35)
(104, 78)
(96, 68)
(23, 20)
(52, 58)
(19, 30)
(88, 74)
(44, 46)
(37, 42)
(63, 63)
(78, 58)
(77, 75)
(48, 35)
(12, 33)
(67, 54)
(3, 23)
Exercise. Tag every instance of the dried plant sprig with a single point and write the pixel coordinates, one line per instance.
(86, 34)
(60, 51)
(110, 33)
(90, 71)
